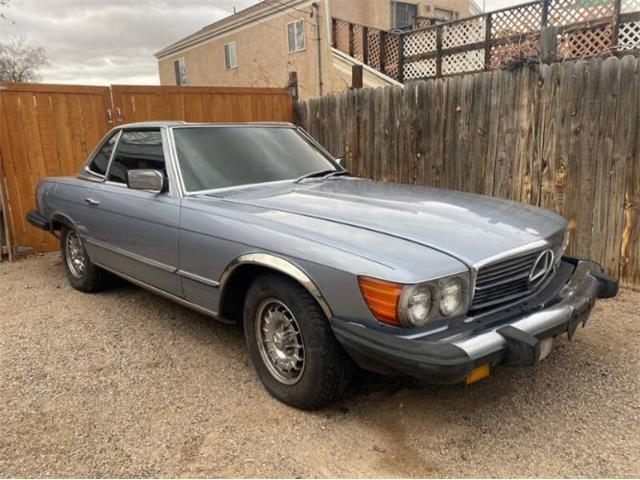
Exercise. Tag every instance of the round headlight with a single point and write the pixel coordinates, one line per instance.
(451, 297)
(418, 306)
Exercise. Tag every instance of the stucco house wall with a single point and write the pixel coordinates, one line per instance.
(262, 53)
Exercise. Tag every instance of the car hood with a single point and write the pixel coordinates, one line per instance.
(466, 226)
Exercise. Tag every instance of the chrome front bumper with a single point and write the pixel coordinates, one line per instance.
(513, 340)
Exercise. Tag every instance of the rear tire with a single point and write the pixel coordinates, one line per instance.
(81, 273)
(291, 344)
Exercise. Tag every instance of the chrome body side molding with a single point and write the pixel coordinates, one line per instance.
(198, 278)
(281, 265)
(133, 256)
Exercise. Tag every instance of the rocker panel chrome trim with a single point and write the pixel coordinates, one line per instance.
(162, 293)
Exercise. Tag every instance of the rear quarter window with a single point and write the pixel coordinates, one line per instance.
(100, 161)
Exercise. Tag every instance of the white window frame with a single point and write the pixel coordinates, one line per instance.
(181, 81)
(296, 48)
(227, 62)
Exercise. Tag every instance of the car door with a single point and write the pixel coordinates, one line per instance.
(135, 232)
(72, 197)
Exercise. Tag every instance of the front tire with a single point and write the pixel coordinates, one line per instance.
(291, 344)
(81, 273)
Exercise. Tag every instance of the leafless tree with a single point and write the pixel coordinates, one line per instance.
(3, 5)
(19, 61)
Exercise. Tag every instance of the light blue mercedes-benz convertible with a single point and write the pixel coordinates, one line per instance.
(258, 224)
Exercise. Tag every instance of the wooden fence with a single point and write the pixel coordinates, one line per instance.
(48, 130)
(583, 29)
(563, 136)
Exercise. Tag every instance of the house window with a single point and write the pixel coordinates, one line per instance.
(230, 58)
(180, 71)
(295, 36)
(402, 14)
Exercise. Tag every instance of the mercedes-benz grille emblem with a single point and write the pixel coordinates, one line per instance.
(541, 268)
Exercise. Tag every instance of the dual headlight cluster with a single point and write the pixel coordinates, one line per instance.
(416, 305)
(424, 302)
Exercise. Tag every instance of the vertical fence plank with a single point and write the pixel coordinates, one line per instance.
(604, 159)
(623, 152)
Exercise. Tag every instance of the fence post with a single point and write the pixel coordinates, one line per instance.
(365, 45)
(548, 44)
(401, 58)
(544, 21)
(351, 39)
(617, 5)
(293, 85)
(438, 51)
(357, 73)
(334, 33)
(487, 42)
(383, 48)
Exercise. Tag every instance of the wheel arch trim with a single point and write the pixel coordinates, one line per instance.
(63, 219)
(278, 264)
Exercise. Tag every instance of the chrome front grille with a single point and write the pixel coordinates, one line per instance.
(504, 280)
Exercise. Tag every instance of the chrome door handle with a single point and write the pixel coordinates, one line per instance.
(91, 201)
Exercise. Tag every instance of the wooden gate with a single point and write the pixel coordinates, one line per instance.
(49, 130)
(45, 130)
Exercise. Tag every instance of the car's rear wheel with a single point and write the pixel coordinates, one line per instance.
(291, 344)
(81, 273)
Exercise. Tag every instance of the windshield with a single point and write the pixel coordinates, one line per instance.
(219, 157)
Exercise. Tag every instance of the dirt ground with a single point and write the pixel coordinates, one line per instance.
(126, 384)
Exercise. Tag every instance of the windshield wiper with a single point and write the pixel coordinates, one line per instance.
(322, 173)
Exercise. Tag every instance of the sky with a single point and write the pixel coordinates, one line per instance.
(101, 42)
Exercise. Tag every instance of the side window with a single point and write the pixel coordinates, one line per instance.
(137, 149)
(295, 36)
(180, 71)
(230, 57)
(100, 162)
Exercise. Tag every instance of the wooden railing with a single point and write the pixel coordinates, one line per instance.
(577, 28)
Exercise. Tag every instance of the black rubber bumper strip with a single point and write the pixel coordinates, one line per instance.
(429, 361)
(37, 220)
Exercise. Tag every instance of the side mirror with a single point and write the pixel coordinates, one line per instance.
(146, 179)
(341, 162)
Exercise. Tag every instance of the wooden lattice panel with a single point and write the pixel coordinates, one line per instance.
(585, 43)
(463, 62)
(392, 55)
(568, 12)
(373, 50)
(629, 36)
(629, 6)
(463, 33)
(503, 54)
(422, 41)
(516, 21)
(358, 44)
(341, 36)
(419, 69)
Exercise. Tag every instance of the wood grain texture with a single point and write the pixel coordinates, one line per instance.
(49, 130)
(562, 136)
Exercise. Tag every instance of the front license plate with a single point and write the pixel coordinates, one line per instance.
(545, 347)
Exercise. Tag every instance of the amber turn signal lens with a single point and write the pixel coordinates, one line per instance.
(382, 298)
(478, 373)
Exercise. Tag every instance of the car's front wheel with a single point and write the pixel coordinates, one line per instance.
(81, 273)
(291, 344)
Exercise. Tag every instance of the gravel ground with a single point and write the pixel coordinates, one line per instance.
(126, 384)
